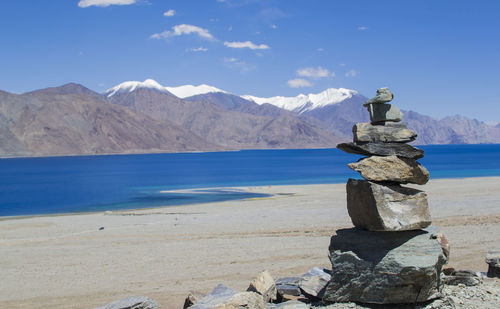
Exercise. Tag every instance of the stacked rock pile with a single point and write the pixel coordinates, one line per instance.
(387, 258)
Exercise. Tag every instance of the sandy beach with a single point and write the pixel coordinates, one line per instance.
(69, 262)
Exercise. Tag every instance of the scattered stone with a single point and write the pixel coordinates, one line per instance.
(301, 298)
(467, 278)
(390, 132)
(218, 296)
(382, 149)
(447, 270)
(383, 96)
(291, 304)
(190, 300)
(139, 302)
(445, 244)
(384, 267)
(391, 168)
(493, 261)
(384, 112)
(101, 228)
(379, 207)
(288, 286)
(314, 282)
(264, 285)
(243, 300)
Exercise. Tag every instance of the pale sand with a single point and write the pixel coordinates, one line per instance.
(66, 262)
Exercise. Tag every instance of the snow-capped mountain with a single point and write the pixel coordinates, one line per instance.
(180, 91)
(303, 103)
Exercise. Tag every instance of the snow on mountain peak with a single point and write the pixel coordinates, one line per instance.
(190, 90)
(303, 103)
(132, 85)
(180, 92)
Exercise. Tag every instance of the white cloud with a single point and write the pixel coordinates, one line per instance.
(274, 26)
(362, 28)
(238, 64)
(181, 30)
(198, 49)
(320, 49)
(103, 3)
(230, 28)
(169, 13)
(230, 59)
(298, 83)
(342, 64)
(318, 72)
(246, 44)
(352, 73)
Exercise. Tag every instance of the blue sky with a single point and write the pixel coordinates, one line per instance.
(439, 57)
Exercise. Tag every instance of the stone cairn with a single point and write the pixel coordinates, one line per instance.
(388, 257)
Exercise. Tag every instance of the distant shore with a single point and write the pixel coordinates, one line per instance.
(85, 260)
(194, 151)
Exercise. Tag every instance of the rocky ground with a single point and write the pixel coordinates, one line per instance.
(459, 290)
(486, 295)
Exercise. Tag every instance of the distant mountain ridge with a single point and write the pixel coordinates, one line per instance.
(142, 117)
(55, 121)
(304, 103)
(180, 92)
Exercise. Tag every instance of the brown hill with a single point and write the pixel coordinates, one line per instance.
(56, 121)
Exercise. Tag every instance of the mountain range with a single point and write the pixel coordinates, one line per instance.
(144, 117)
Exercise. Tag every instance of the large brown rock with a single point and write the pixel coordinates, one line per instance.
(382, 149)
(384, 267)
(391, 168)
(378, 207)
(390, 132)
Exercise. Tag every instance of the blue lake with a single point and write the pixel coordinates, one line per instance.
(52, 185)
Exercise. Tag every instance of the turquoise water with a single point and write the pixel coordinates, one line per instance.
(30, 186)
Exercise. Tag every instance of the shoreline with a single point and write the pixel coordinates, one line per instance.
(68, 261)
(241, 188)
(198, 151)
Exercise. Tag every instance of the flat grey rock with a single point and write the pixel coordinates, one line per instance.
(384, 112)
(391, 168)
(314, 282)
(288, 286)
(383, 96)
(383, 149)
(378, 207)
(139, 302)
(389, 132)
(219, 295)
(384, 267)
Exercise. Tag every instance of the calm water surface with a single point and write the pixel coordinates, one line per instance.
(96, 183)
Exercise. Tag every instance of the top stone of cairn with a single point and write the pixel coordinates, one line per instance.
(383, 96)
(381, 112)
